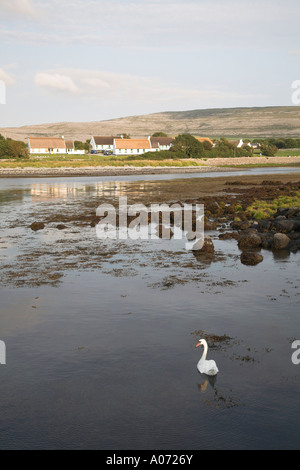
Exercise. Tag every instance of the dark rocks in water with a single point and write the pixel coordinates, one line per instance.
(35, 226)
(208, 225)
(229, 236)
(294, 246)
(204, 247)
(249, 240)
(267, 240)
(241, 225)
(280, 241)
(250, 258)
(61, 227)
(282, 225)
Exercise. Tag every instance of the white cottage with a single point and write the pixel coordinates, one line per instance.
(133, 146)
(51, 145)
(102, 143)
(161, 143)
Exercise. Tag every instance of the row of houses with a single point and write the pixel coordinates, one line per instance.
(121, 146)
(114, 145)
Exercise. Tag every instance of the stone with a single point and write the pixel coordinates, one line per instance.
(204, 247)
(249, 240)
(280, 241)
(250, 258)
(35, 226)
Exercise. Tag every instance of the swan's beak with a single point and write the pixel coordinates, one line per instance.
(199, 344)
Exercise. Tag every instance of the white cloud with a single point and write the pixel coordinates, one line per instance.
(114, 89)
(56, 81)
(97, 83)
(18, 7)
(8, 79)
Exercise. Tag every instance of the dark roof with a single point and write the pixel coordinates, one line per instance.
(160, 140)
(69, 144)
(104, 140)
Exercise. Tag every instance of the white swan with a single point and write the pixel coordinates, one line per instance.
(204, 366)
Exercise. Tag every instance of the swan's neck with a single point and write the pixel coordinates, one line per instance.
(203, 358)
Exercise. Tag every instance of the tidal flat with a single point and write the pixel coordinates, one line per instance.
(101, 334)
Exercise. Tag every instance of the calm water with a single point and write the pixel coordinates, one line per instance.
(101, 336)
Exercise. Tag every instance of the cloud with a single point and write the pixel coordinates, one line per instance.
(56, 82)
(96, 83)
(18, 7)
(8, 79)
(117, 89)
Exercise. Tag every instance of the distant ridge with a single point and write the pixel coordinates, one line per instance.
(276, 121)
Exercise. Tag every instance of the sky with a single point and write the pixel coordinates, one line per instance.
(93, 60)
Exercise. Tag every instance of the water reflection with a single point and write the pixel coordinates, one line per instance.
(101, 189)
(208, 381)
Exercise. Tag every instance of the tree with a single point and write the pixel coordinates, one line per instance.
(10, 148)
(159, 134)
(187, 144)
(269, 150)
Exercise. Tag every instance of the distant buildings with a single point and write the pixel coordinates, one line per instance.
(52, 146)
(120, 146)
(114, 145)
(102, 143)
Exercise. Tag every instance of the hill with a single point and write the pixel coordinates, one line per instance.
(283, 121)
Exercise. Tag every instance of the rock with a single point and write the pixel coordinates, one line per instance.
(249, 240)
(229, 236)
(208, 225)
(264, 225)
(283, 225)
(280, 241)
(250, 258)
(61, 227)
(245, 225)
(204, 247)
(267, 240)
(35, 226)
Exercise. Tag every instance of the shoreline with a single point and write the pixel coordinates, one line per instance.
(106, 171)
(203, 166)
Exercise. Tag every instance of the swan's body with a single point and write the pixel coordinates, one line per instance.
(206, 367)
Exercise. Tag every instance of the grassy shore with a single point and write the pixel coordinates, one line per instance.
(98, 162)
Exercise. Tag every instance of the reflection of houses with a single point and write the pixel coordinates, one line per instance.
(52, 145)
(102, 143)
